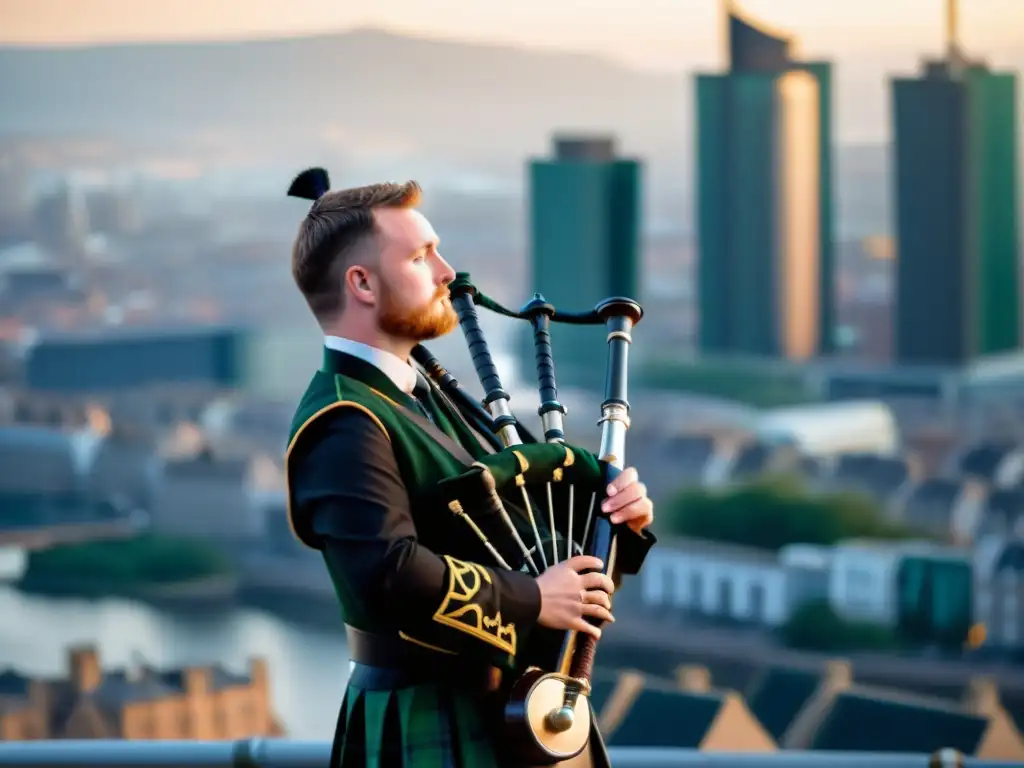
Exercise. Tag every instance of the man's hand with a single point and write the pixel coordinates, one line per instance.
(627, 501)
(566, 595)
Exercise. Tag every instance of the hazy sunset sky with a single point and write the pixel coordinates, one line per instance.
(646, 33)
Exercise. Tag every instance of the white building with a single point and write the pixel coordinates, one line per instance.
(724, 582)
(999, 590)
(859, 579)
(864, 577)
(825, 431)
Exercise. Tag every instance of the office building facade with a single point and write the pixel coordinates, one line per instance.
(585, 228)
(764, 200)
(955, 177)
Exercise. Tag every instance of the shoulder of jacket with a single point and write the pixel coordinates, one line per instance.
(334, 409)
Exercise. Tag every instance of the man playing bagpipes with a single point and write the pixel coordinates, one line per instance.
(398, 488)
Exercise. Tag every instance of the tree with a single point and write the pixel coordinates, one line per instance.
(108, 567)
(773, 512)
(814, 626)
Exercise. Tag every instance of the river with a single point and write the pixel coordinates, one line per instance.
(308, 663)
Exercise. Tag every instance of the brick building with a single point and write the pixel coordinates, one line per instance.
(201, 703)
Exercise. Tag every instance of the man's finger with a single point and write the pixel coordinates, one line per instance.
(597, 581)
(580, 625)
(584, 563)
(636, 508)
(631, 493)
(626, 477)
(598, 612)
(597, 597)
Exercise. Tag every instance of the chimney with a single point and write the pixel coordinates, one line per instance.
(39, 695)
(197, 681)
(84, 664)
(693, 678)
(982, 696)
(259, 676)
(838, 675)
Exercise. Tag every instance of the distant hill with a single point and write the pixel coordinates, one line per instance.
(376, 90)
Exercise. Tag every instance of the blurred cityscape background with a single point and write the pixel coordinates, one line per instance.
(818, 208)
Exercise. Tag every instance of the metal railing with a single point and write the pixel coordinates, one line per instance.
(289, 753)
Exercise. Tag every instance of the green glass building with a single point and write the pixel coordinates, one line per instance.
(934, 600)
(956, 162)
(764, 199)
(585, 224)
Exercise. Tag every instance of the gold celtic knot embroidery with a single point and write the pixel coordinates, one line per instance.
(459, 609)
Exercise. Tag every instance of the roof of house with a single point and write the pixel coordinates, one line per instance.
(662, 716)
(778, 694)
(886, 721)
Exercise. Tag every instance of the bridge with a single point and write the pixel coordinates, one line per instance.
(288, 753)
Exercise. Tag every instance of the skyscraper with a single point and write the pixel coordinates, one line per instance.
(764, 199)
(585, 212)
(957, 210)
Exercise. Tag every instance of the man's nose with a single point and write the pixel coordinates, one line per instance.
(445, 274)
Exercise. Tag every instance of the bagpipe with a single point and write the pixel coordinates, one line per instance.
(548, 716)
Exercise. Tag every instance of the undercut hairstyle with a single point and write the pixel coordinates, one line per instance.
(335, 228)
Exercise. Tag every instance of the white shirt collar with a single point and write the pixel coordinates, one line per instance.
(396, 369)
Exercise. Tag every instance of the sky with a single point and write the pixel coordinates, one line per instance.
(651, 34)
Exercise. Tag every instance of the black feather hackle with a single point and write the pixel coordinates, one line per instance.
(311, 184)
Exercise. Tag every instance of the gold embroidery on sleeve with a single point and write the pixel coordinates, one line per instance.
(460, 611)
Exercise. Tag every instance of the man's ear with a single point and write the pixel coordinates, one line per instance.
(360, 284)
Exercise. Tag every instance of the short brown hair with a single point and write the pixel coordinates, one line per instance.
(335, 225)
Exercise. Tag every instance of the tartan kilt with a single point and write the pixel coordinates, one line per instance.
(415, 726)
(386, 721)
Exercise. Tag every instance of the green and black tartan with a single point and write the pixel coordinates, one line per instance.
(418, 726)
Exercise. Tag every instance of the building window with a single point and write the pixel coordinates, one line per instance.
(246, 716)
(220, 724)
(696, 590)
(725, 598)
(757, 603)
(859, 588)
(1011, 634)
(668, 587)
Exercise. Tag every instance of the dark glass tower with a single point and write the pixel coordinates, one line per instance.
(956, 155)
(764, 199)
(585, 222)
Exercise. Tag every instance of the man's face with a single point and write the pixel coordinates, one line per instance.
(414, 301)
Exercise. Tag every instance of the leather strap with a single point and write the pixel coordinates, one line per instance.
(377, 650)
(456, 450)
(422, 663)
